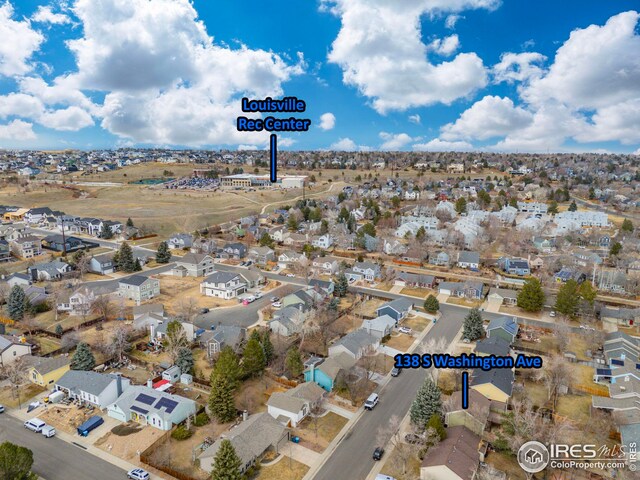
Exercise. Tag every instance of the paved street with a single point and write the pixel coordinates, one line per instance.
(55, 459)
(145, 273)
(353, 457)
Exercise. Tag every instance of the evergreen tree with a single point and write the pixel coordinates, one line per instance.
(568, 298)
(461, 205)
(324, 227)
(426, 404)
(129, 222)
(226, 464)
(221, 402)
(266, 240)
(105, 231)
(126, 262)
(227, 365)
(17, 303)
(431, 304)
(420, 233)
(435, 422)
(531, 297)
(343, 215)
(587, 292)
(293, 362)
(292, 223)
(369, 229)
(573, 207)
(616, 249)
(59, 329)
(472, 327)
(184, 360)
(16, 462)
(341, 286)
(553, 207)
(627, 226)
(136, 265)
(267, 346)
(83, 359)
(163, 255)
(253, 361)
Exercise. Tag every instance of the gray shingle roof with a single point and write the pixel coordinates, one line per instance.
(502, 378)
(90, 382)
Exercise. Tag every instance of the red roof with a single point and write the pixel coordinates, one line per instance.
(160, 383)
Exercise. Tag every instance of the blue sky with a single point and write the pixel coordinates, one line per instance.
(411, 75)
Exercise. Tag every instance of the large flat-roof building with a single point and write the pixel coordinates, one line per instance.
(247, 180)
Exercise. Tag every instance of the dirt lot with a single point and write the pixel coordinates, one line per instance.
(400, 342)
(66, 418)
(284, 469)
(175, 290)
(328, 426)
(9, 398)
(202, 365)
(127, 439)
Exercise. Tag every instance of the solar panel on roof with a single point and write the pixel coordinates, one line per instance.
(617, 362)
(603, 371)
(146, 399)
(167, 404)
(135, 408)
(637, 366)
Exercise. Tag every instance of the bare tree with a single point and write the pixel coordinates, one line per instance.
(69, 340)
(557, 374)
(29, 323)
(402, 451)
(176, 339)
(16, 374)
(102, 306)
(188, 308)
(120, 342)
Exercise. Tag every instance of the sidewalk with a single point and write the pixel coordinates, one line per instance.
(356, 416)
(80, 442)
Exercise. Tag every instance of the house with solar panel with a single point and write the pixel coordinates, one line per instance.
(148, 406)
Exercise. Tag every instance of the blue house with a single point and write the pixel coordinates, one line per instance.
(325, 372)
(397, 309)
(517, 266)
(503, 327)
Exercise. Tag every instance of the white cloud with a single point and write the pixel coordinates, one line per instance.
(487, 118)
(247, 147)
(44, 14)
(437, 145)
(19, 42)
(637, 152)
(17, 130)
(451, 20)
(21, 105)
(380, 51)
(518, 67)
(327, 121)
(186, 88)
(395, 141)
(446, 46)
(68, 119)
(344, 145)
(415, 119)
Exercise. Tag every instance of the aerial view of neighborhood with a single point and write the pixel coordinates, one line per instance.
(319, 240)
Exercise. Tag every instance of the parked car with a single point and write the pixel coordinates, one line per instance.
(290, 275)
(552, 313)
(35, 425)
(204, 310)
(48, 431)
(257, 295)
(276, 304)
(1, 408)
(406, 330)
(395, 371)
(274, 299)
(372, 401)
(378, 453)
(138, 474)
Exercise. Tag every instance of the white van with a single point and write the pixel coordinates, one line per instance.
(372, 401)
(48, 431)
(35, 425)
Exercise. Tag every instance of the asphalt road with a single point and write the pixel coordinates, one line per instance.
(353, 457)
(55, 459)
(145, 273)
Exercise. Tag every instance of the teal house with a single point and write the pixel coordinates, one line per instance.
(324, 373)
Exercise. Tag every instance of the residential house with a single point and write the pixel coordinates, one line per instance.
(380, 326)
(225, 285)
(326, 265)
(289, 320)
(37, 215)
(5, 251)
(495, 384)
(364, 270)
(289, 258)
(46, 272)
(502, 296)
(67, 244)
(252, 277)
(356, 344)
(235, 250)
(26, 247)
(323, 242)
(566, 274)
(148, 406)
(515, 266)
(455, 458)
(102, 264)
(440, 259)
(415, 280)
(14, 279)
(475, 417)
(180, 241)
(159, 330)
(325, 372)
(12, 348)
(261, 255)
(46, 371)
(495, 345)
(195, 264)
(612, 317)
(293, 406)
(469, 260)
(251, 439)
(139, 288)
(323, 287)
(621, 346)
(98, 389)
(504, 327)
(213, 341)
(470, 290)
(397, 309)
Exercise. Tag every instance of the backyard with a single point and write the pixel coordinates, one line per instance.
(317, 433)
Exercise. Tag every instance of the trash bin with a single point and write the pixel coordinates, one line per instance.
(295, 439)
